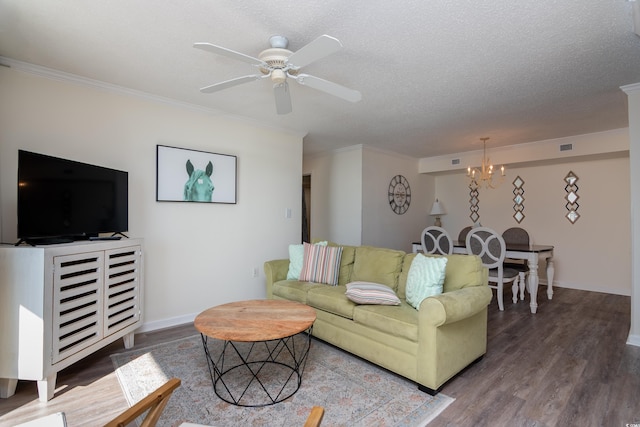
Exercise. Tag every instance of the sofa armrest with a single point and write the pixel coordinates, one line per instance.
(454, 306)
(452, 333)
(275, 270)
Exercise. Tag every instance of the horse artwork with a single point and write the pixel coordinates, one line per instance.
(199, 187)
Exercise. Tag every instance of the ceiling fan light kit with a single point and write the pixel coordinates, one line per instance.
(279, 64)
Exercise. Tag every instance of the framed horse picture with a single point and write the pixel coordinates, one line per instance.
(184, 175)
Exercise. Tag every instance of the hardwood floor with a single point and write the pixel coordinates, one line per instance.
(87, 392)
(568, 365)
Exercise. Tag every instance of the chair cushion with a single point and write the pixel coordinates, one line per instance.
(516, 266)
(507, 274)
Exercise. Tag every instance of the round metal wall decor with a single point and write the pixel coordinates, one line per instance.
(399, 194)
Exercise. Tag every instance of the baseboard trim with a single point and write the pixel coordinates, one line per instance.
(633, 340)
(166, 323)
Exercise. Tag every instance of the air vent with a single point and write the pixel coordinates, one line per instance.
(455, 161)
(566, 147)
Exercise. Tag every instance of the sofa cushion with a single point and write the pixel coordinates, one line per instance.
(296, 256)
(371, 293)
(331, 299)
(463, 271)
(401, 321)
(294, 290)
(425, 279)
(404, 273)
(377, 265)
(321, 264)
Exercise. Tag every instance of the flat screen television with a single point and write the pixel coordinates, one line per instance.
(64, 200)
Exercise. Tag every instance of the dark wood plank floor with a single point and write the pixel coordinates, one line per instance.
(568, 365)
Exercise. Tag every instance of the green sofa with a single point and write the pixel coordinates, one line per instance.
(429, 345)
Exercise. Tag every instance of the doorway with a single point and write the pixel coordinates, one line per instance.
(306, 208)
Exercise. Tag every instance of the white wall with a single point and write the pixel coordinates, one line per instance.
(592, 254)
(336, 195)
(196, 255)
(349, 198)
(381, 226)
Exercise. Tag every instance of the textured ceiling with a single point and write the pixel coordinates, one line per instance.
(435, 76)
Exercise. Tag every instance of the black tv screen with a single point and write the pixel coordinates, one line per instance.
(68, 199)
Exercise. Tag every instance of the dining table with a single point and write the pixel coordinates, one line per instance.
(533, 254)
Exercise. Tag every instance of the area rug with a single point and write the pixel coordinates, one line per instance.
(353, 392)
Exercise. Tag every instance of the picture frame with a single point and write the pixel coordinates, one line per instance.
(185, 175)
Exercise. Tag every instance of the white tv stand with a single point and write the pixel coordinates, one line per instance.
(60, 303)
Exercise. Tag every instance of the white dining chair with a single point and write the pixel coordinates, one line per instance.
(436, 240)
(517, 236)
(462, 236)
(491, 248)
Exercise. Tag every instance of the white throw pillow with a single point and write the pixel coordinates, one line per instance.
(296, 256)
(425, 279)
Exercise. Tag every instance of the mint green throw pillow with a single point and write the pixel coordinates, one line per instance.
(296, 256)
(425, 279)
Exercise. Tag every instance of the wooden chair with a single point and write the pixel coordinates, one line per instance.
(436, 240)
(154, 403)
(491, 249)
(517, 236)
(315, 417)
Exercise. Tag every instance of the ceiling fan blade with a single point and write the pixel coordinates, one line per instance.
(230, 83)
(317, 49)
(331, 88)
(283, 98)
(229, 53)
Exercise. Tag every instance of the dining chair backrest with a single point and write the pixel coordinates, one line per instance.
(488, 245)
(516, 236)
(436, 240)
(462, 237)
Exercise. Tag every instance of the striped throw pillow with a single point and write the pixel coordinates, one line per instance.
(296, 256)
(371, 293)
(321, 264)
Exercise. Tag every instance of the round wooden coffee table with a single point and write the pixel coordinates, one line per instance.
(258, 352)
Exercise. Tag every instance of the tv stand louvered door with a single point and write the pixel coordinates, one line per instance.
(60, 303)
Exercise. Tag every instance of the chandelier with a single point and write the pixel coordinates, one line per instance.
(485, 175)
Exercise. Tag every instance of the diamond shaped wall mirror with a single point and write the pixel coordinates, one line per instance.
(518, 199)
(572, 197)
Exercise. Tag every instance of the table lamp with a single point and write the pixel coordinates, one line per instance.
(437, 210)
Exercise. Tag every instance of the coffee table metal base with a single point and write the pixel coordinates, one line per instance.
(243, 373)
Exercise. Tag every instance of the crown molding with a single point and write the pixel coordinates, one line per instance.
(632, 88)
(62, 76)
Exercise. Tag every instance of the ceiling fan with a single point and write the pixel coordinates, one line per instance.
(280, 64)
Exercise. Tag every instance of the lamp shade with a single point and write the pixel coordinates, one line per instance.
(437, 208)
